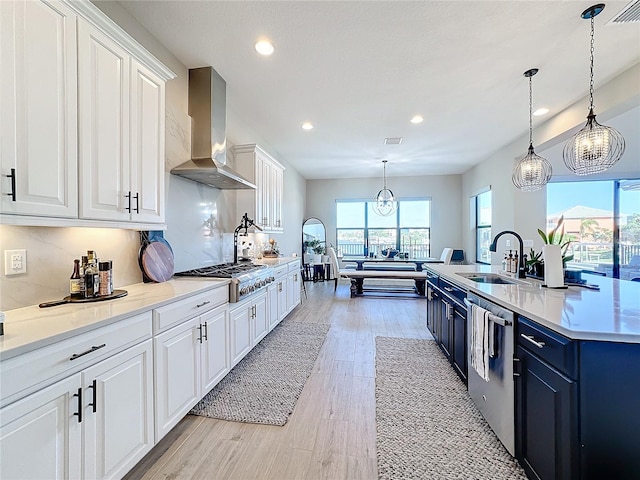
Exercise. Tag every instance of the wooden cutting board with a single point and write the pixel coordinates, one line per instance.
(157, 261)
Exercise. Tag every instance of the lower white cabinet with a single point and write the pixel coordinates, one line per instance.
(293, 290)
(97, 423)
(249, 324)
(189, 360)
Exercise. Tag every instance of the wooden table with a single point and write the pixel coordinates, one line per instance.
(389, 262)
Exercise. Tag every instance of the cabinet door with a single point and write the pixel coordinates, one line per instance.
(293, 290)
(260, 318)
(277, 182)
(546, 416)
(147, 145)
(38, 109)
(214, 356)
(459, 341)
(104, 126)
(446, 315)
(433, 313)
(177, 363)
(41, 434)
(282, 297)
(118, 412)
(240, 329)
(272, 305)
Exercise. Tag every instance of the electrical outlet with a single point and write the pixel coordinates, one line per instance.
(528, 243)
(508, 243)
(15, 262)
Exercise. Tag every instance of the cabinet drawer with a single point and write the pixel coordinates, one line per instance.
(294, 266)
(553, 348)
(456, 293)
(181, 310)
(32, 371)
(280, 271)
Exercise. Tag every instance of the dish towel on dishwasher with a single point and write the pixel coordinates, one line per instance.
(480, 336)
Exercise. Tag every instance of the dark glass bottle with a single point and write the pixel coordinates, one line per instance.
(76, 282)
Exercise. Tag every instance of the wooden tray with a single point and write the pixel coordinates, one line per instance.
(68, 299)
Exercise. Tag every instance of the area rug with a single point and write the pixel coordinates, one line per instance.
(264, 387)
(427, 426)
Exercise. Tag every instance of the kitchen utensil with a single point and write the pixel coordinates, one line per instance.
(68, 299)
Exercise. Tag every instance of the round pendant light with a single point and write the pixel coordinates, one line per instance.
(385, 203)
(596, 147)
(532, 171)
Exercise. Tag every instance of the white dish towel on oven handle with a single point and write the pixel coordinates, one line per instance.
(480, 335)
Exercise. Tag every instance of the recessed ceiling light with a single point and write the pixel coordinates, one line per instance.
(541, 111)
(307, 126)
(417, 119)
(264, 47)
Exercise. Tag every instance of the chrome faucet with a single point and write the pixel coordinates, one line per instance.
(521, 260)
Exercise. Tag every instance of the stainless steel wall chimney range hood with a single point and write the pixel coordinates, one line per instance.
(208, 111)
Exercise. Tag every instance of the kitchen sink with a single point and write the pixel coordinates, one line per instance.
(488, 278)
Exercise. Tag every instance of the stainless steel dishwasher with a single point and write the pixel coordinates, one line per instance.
(495, 397)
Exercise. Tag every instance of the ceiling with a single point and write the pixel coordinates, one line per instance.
(360, 70)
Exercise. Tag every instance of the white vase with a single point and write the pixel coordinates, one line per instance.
(325, 258)
(317, 258)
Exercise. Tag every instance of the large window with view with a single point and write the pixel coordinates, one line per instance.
(360, 231)
(481, 206)
(602, 223)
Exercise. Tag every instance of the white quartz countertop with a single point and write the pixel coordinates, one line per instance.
(28, 328)
(610, 314)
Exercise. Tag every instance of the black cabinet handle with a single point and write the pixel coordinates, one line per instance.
(75, 356)
(128, 197)
(203, 304)
(79, 412)
(200, 333)
(94, 390)
(137, 202)
(206, 331)
(12, 176)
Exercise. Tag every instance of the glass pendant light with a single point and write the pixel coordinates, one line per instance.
(596, 147)
(385, 203)
(532, 171)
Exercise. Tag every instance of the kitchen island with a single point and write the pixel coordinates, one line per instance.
(575, 366)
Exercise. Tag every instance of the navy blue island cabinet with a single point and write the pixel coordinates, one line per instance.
(577, 406)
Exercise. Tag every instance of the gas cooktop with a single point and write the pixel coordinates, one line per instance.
(223, 270)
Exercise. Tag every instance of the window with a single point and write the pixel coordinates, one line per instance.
(361, 231)
(481, 206)
(602, 221)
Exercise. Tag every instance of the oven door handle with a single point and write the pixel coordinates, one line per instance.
(494, 318)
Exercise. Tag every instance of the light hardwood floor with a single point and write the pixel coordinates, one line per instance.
(332, 431)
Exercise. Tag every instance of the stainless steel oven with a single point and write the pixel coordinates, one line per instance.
(494, 396)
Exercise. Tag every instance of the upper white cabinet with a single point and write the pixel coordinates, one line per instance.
(86, 109)
(38, 109)
(264, 205)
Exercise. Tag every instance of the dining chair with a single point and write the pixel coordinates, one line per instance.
(447, 253)
(335, 267)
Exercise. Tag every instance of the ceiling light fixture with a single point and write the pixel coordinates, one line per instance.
(532, 171)
(264, 47)
(595, 148)
(307, 126)
(417, 119)
(541, 111)
(384, 203)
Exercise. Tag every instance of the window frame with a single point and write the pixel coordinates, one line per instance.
(476, 225)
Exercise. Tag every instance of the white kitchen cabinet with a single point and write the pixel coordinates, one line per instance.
(41, 435)
(282, 284)
(249, 324)
(81, 119)
(118, 412)
(293, 290)
(190, 358)
(121, 105)
(97, 422)
(272, 305)
(263, 205)
(38, 109)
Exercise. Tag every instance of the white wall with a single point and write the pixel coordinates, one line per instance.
(617, 105)
(444, 190)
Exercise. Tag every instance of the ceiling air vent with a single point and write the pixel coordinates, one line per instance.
(629, 14)
(393, 140)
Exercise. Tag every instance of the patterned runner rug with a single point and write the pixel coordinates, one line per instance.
(427, 425)
(264, 387)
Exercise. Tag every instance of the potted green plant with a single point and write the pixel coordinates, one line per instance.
(535, 265)
(557, 237)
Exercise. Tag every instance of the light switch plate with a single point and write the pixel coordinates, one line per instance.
(507, 243)
(528, 243)
(15, 262)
